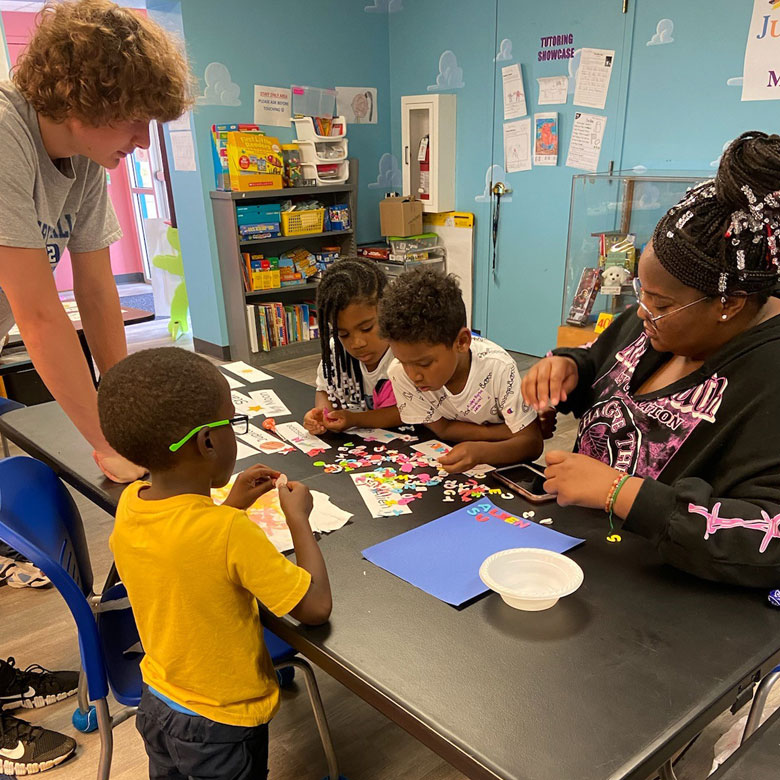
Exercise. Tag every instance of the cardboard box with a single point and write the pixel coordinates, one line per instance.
(401, 216)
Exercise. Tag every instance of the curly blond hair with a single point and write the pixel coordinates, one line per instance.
(99, 63)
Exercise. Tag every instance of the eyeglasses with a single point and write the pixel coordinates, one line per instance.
(653, 318)
(240, 425)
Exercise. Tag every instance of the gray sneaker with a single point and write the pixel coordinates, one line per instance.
(26, 575)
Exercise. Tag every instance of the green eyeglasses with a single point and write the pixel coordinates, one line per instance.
(240, 425)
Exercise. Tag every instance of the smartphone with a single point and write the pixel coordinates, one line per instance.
(527, 480)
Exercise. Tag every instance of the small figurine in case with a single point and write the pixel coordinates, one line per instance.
(581, 306)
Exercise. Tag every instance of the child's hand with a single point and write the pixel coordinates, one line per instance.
(296, 502)
(338, 420)
(250, 484)
(462, 457)
(312, 421)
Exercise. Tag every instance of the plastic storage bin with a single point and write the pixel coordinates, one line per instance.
(299, 223)
(327, 173)
(412, 243)
(322, 151)
(304, 129)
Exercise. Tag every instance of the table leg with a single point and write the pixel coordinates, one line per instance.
(88, 356)
(759, 702)
(667, 772)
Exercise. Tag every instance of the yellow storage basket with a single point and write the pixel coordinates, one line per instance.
(298, 223)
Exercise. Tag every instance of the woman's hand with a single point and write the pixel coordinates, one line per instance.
(117, 468)
(549, 382)
(578, 479)
(548, 422)
(312, 421)
(338, 420)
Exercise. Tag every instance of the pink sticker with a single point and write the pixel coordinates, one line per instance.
(297, 90)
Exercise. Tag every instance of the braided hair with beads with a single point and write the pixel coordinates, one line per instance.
(347, 281)
(722, 237)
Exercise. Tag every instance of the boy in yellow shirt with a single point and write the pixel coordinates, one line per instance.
(194, 571)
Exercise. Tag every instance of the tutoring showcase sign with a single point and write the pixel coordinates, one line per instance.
(761, 75)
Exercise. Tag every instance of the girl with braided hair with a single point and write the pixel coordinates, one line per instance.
(679, 434)
(352, 385)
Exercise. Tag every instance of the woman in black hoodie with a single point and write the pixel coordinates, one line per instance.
(679, 399)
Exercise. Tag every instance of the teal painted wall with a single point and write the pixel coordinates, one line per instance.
(669, 108)
(418, 36)
(272, 42)
(681, 110)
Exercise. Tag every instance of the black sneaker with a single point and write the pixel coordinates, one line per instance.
(34, 686)
(26, 749)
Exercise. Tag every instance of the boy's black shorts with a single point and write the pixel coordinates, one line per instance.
(184, 747)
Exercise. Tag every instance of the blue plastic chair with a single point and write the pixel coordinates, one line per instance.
(39, 519)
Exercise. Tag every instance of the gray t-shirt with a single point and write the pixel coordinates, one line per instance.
(44, 204)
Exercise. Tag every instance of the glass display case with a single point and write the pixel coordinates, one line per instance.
(612, 217)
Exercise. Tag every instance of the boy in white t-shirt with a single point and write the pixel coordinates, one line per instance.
(464, 388)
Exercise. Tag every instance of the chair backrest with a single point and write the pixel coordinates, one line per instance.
(39, 519)
(8, 405)
(37, 506)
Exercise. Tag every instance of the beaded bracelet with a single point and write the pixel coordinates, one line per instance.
(611, 492)
(613, 498)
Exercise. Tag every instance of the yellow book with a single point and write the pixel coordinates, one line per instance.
(254, 162)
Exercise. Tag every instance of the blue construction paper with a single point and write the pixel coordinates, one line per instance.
(443, 557)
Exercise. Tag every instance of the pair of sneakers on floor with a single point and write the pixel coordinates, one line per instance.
(20, 573)
(26, 749)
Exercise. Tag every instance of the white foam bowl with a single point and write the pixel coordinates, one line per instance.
(531, 579)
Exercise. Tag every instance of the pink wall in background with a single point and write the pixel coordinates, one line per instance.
(125, 253)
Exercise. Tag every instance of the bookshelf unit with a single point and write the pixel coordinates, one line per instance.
(230, 246)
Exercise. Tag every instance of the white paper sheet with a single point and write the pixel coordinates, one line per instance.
(246, 372)
(244, 451)
(272, 106)
(378, 498)
(514, 92)
(183, 150)
(267, 513)
(553, 90)
(434, 449)
(182, 123)
(242, 403)
(374, 434)
(265, 442)
(517, 146)
(269, 402)
(357, 105)
(761, 70)
(593, 77)
(587, 134)
(299, 437)
(232, 382)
